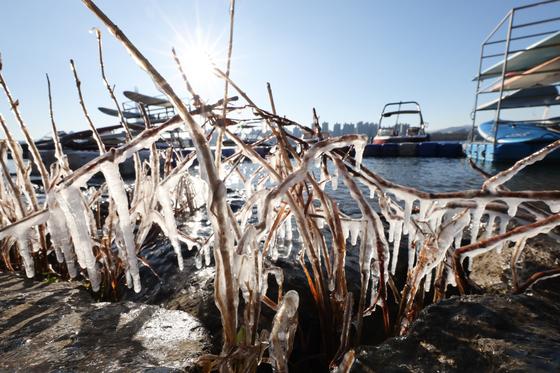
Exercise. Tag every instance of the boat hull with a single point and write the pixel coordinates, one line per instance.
(399, 139)
(517, 132)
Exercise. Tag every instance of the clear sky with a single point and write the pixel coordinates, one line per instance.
(345, 58)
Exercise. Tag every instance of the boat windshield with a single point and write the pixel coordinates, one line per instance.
(413, 131)
(386, 132)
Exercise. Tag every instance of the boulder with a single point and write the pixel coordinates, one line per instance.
(491, 332)
(57, 327)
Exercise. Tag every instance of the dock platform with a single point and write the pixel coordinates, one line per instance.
(428, 149)
(484, 151)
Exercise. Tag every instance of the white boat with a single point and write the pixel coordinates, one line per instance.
(400, 132)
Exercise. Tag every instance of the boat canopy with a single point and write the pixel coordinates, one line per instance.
(400, 110)
(390, 113)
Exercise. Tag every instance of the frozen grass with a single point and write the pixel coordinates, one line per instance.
(282, 195)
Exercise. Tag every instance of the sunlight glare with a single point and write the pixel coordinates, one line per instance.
(198, 62)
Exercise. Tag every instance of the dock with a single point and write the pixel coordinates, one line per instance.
(427, 149)
(506, 152)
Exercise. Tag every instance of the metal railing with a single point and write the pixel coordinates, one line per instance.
(553, 22)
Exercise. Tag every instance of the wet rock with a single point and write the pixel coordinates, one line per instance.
(476, 333)
(190, 290)
(492, 271)
(56, 327)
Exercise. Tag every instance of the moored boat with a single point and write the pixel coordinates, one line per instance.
(400, 132)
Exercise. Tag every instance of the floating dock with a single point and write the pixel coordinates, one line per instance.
(511, 152)
(428, 149)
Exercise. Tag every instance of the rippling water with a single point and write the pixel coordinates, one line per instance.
(452, 174)
(445, 175)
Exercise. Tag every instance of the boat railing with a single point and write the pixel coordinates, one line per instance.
(385, 113)
(156, 114)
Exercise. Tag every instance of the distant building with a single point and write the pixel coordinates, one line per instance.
(362, 128)
(336, 130)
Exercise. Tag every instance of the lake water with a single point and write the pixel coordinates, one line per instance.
(450, 174)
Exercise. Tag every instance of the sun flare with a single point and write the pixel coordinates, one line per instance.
(199, 60)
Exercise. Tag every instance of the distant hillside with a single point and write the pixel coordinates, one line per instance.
(455, 129)
(456, 133)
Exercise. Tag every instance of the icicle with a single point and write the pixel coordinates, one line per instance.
(490, 225)
(392, 225)
(476, 216)
(554, 206)
(408, 203)
(25, 253)
(359, 153)
(428, 281)
(163, 196)
(424, 207)
(198, 259)
(288, 229)
(411, 249)
(513, 204)
(396, 246)
(504, 221)
(345, 226)
(320, 223)
(274, 253)
(72, 205)
(323, 178)
(453, 230)
(449, 274)
(355, 229)
(458, 239)
(334, 179)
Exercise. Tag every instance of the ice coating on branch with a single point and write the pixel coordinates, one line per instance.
(70, 200)
(515, 235)
(60, 236)
(494, 182)
(283, 331)
(301, 172)
(117, 192)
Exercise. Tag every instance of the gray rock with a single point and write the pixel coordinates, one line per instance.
(492, 271)
(477, 333)
(56, 327)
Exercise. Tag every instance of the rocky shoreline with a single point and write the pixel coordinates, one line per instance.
(173, 321)
(57, 327)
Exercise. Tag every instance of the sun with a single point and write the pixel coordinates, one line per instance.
(198, 60)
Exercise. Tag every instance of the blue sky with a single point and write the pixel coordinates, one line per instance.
(345, 58)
